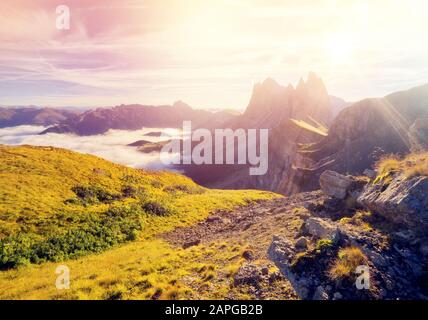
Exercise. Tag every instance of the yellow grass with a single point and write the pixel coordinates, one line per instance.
(136, 270)
(412, 165)
(36, 181)
(347, 261)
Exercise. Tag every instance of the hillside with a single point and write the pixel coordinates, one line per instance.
(211, 244)
(57, 205)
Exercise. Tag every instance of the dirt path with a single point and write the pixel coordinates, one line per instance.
(252, 225)
(255, 223)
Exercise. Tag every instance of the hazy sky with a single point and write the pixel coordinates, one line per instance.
(208, 53)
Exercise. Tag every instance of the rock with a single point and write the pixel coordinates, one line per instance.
(377, 259)
(403, 201)
(276, 275)
(370, 173)
(213, 219)
(191, 243)
(337, 296)
(404, 235)
(247, 226)
(301, 244)
(265, 270)
(321, 229)
(248, 255)
(320, 294)
(226, 221)
(335, 184)
(248, 274)
(281, 252)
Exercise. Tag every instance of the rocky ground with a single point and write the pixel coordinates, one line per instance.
(318, 240)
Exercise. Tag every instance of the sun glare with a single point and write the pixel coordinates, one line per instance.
(339, 49)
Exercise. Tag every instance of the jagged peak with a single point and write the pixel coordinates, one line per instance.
(270, 83)
(301, 85)
(312, 76)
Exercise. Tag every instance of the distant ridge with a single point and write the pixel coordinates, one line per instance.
(133, 117)
(16, 116)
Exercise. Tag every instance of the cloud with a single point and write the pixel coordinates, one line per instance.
(110, 146)
(205, 52)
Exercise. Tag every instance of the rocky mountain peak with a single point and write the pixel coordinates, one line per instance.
(301, 85)
(313, 86)
(270, 83)
(272, 103)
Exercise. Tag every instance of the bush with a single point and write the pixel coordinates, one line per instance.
(97, 234)
(155, 208)
(129, 192)
(347, 261)
(94, 194)
(324, 244)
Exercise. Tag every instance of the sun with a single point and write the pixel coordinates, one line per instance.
(339, 49)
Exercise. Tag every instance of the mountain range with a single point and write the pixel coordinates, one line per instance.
(128, 233)
(10, 117)
(133, 117)
(305, 140)
(310, 130)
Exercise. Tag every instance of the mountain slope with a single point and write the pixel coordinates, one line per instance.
(10, 117)
(57, 204)
(367, 130)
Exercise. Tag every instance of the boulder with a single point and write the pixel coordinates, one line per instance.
(191, 243)
(248, 255)
(403, 201)
(281, 252)
(301, 244)
(335, 184)
(322, 229)
(248, 274)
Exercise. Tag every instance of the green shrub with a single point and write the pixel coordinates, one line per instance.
(129, 191)
(93, 194)
(324, 244)
(97, 234)
(155, 208)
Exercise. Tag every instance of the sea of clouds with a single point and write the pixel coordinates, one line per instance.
(111, 146)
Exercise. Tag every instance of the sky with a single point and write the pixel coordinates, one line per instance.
(207, 53)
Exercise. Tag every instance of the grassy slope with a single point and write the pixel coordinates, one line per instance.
(414, 164)
(36, 189)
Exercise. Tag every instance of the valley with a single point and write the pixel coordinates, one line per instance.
(326, 205)
(229, 152)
